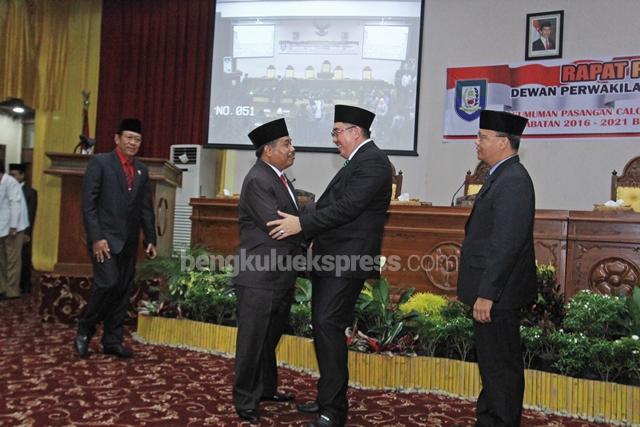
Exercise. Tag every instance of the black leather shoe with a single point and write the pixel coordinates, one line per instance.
(251, 415)
(81, 344)
(323, 421)
(278, 397)
(309, 407)
(118, 350)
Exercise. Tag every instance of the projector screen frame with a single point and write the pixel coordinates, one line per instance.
(329, 148)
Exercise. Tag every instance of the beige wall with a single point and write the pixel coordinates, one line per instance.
(11, 137)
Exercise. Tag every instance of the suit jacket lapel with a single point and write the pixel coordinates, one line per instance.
(505, 165)
(343, 169)
(278, 184)
(337, 177)
(486, 185)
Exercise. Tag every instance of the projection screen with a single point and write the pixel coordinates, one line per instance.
(297, 59)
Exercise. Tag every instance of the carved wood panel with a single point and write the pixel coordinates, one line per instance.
(614, 276)
(606, 268)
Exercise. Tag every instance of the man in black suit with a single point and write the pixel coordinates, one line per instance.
(545, 42)
(116, 203)
(17, 170)
(264, 288)
(346, 227)
(497, 267)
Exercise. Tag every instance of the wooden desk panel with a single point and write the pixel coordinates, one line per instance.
(434, 235)
(603, 252)
(424, 240)
(214, 225)
(550, 240)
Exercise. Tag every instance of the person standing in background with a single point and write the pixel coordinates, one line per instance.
(14, 220)
(17, 170)
(116, 204)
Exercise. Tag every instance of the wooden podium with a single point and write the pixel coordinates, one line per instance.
(73, 256)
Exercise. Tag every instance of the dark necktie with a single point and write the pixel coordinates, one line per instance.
(283, 180)
(346, 162)
(128, 171)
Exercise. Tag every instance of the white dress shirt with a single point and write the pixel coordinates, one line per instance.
(13, 206)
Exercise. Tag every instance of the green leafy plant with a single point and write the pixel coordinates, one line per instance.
(424, 303)
(547, 311)
(168, 270)
(632, 363)
(300, 316)
(380, 317)
(430, 331)
(455, 309)
(611, 359)
(539, 346)
(532, 343)
(300, 320)
(633, 305)
(457, 333)
(302, 291)
(597, 315)
(573, 355)
(205, 296)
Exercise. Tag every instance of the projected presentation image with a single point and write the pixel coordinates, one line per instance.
(297, 60)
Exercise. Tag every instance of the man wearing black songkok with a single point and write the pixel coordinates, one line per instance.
(116, 204)
(264, 294)
(497, 275)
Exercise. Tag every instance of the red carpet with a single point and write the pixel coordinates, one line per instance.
(43, 383)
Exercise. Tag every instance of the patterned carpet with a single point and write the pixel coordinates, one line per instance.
(43, 383)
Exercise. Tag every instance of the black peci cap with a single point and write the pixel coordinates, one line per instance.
(268, 132)
(354, 115)
(501, 121)
(20, 167)
(132, 125)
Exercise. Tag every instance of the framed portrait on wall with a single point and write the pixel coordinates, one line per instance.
(544, 35)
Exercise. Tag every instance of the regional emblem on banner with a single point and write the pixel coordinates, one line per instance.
(471, 97)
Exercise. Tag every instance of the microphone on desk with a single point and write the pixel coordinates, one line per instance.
(453, 198)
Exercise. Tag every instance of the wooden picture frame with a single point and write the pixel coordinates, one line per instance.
(544, 35)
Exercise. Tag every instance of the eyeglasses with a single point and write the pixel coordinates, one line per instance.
(130, 137)
(337, 132)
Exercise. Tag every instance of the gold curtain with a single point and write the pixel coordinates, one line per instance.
(18, 56)
(50, 54)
